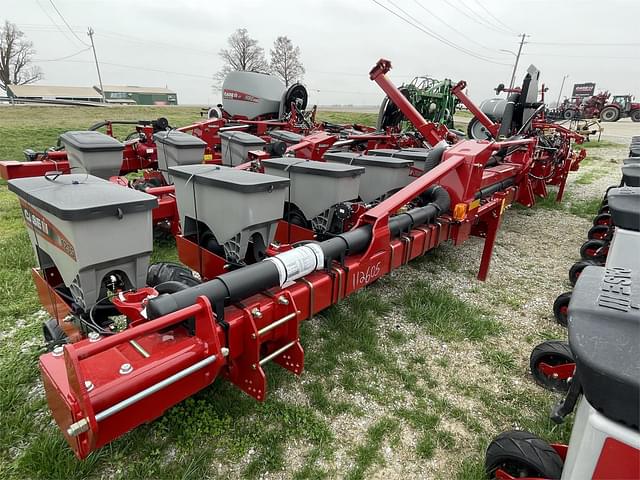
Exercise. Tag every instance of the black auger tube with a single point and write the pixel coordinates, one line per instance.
(491, 189)
(249, 280)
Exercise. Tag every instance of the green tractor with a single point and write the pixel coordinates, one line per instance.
(431, 97)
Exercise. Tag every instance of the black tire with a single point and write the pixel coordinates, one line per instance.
(53, 334)
(476, 131)
(609, 114)
(594, 250)
(577, 268)
(568, 114)
(598, 232)
(560, 308)
(635, 116)
(602, 219)
(552, 352)
(604, 209)
(522, 454)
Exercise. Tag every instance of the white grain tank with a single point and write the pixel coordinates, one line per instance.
(89, 229)
(235, 206)
(93, 152)
(251, 95)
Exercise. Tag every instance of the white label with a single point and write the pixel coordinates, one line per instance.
(298, 262)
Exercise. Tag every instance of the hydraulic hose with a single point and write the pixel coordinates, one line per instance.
(295, 263)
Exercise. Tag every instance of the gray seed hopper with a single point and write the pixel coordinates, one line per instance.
(233, 204)
(383, 175)
(93, 152)
(316, 187)
(177, 148)
(236, 146)
(88, 229)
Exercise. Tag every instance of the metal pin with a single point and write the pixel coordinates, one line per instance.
(88, 385)
(256, 313)
(282, 300)
(139, 348)
(94, 337)
(58, 351)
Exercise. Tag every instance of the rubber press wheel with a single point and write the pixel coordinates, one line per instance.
(522, 454)
(594, 250)
(602, 219)
(561, 308)
(598, 232)
(553, 353)
(576, 269)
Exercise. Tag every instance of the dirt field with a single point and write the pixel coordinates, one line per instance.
(410, 378)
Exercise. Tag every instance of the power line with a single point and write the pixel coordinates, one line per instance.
(435, 36)
(486, 10)
(63, 58)
(64, 34)
(581, 44)
(474, 19)
(137, 67)
(67, 23)
(484, 20)
(447, 24)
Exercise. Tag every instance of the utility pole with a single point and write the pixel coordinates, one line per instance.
(560, 92)
(515, 67)
(90, 32)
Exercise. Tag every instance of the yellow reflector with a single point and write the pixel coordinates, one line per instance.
(207, 157)
(460, 211)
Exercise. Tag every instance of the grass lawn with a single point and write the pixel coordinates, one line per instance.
(409, 378)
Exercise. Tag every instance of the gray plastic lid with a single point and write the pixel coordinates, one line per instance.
(229, 178)
(178, 139)
(311, 167)
(338, 156)
(77, 196)
(376, 161)
(631, 175)
(415, 155)
(242, 138)
(382, 152)
(286, 136)
(90, 141)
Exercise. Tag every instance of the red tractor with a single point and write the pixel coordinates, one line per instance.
(620, 107)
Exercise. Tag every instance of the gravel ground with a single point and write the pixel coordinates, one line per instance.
(533, 253)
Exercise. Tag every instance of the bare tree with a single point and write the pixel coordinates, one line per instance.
(243, 54)
(285, 61)
(15, 58)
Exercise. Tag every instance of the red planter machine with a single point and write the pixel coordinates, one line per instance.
(101, 386)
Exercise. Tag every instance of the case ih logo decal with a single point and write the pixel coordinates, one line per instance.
(240, 96)
(615, 290)
(583, 89)
(47, 231)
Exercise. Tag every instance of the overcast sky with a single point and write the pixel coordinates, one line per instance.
(176, 43)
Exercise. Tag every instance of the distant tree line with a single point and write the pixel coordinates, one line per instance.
(244, 54)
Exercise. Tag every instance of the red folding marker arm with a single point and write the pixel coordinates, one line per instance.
(431, 133)
(486, 122)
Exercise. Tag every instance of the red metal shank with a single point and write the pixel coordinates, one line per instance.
(427, 129)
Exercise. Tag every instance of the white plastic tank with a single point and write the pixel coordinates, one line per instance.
(250, 94)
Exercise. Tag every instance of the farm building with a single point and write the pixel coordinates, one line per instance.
(53, 92)
(139, 95)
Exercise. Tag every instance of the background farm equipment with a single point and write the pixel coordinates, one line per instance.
(597, 107)
(431, 97)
